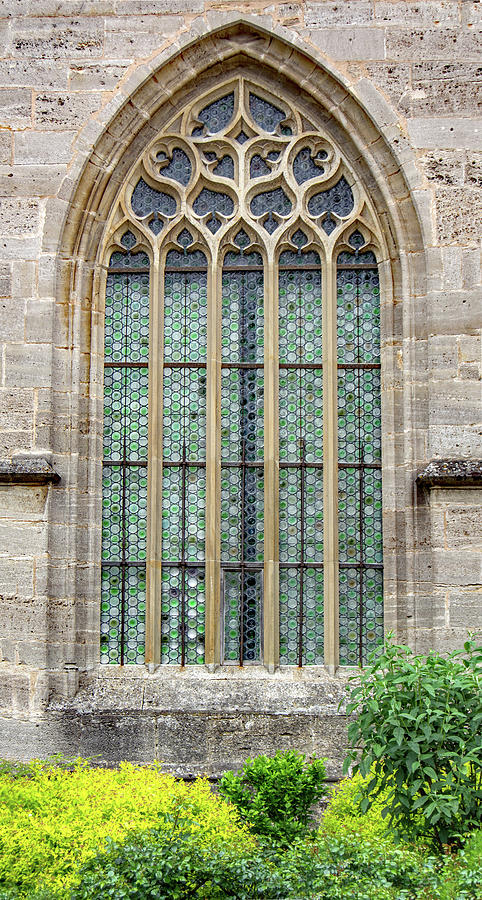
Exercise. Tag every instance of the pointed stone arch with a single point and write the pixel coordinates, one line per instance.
(379, 154)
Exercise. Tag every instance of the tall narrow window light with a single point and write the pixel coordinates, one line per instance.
(242, 524)
(124, 483)
(359, 451)
(184, 456)
(301, 456)
(242, 452)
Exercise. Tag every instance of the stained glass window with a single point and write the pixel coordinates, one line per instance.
(242, 452)
(301, 459)
(255, 495)
(124, 482)
(359, 450)
(184, 458)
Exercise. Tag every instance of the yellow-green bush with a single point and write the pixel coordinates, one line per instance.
(52, 820)
(343, 814)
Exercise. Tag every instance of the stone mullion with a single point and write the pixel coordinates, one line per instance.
(330, 466)
(154, 470)
(213, 468)
(271, 469)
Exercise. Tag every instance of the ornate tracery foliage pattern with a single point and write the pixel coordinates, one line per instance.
(240, 209)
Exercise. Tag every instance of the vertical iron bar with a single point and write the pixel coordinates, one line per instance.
(124, 474)
(183, 555)
(302, 481)
(243, 379)
(302, 554)
(242, 592)
(360, 481)
(183, 487)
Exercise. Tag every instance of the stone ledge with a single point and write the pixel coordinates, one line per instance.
(27, 470)
(451, 473)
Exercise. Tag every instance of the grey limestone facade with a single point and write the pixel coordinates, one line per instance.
(82, 85)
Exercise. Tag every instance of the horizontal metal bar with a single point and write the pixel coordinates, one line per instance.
(121, 564)
(182, 364)
(230, 464)
(145, 270)
(305, 464)
(301, 365)
(301, 565)
(373, 365)
(111, 364)
(125, 462)
(240, 566)
(183, 564)
(186, 270)
(357, 267)
(188, 463)
(241, 365)
(361, 565)
(128, 270)
(359, 465)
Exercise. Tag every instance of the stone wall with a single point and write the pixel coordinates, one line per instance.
(405, 78)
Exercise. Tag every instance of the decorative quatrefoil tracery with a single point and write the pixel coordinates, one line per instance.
(240, 155)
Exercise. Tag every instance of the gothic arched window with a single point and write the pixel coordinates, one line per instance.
(242, 436)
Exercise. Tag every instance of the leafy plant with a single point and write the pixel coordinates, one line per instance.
(154, 866)
(275, 794)
(419, 731)
(54, 819)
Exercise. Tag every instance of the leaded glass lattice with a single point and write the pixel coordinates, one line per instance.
(359, 449)
(301, 458)
(184, 458)
(242, 434)
(124, 482)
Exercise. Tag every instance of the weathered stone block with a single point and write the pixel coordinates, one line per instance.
(95, 76)
(473, 169)
(463, 527)
(19, 217)
(465, 610)
(437, 43)
(392, 78)
(69, 111)
(328, 13)
(443, 166)
(34, 181)
(28, 365)
(34, 73)
(5, 147)
(459, 212)
(39, 148)
(16, 108)
(455, 440)
(349, 43)
(5, 280)
(443, 98)
(39, 318)
(25, 503)
(12, 320)
(435, 133)
(62, 38)
(430, 12)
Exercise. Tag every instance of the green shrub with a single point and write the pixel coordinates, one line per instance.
(275, 794)
(53, 819)
(419, 730)
(151, 866)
